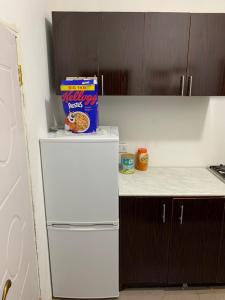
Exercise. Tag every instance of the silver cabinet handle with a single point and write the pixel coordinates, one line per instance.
(164, 213)
(182, 82)
(181, 214)
(190, 78)
(102, 76)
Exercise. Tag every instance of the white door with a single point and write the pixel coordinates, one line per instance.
(18, 259)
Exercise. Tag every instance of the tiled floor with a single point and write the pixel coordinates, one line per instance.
(172, 294)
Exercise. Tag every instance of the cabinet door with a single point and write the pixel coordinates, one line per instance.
(75, 39)
(206, 62)
(121, 53)
(165, 53)
(221, 264)
(144, 239)
(196, 230)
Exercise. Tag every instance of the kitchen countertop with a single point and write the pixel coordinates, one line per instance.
(168, 181)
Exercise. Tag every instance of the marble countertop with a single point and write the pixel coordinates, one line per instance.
(168, 181)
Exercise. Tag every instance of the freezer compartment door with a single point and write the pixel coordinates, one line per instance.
(84, 261)
(80, 181)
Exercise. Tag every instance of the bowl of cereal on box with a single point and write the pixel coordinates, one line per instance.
(82, 121)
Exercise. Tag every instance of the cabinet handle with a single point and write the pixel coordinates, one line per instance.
(182, 81)
(189, 85)
(6, 288)
(181, 214)
(102, 76)
(164, 213)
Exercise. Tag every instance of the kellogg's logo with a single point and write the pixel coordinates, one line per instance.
(79, 96)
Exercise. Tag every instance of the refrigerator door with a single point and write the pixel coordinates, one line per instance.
(84, 261)
(80, 181)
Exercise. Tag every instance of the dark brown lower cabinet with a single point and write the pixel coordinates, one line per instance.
(171, 241)
(221, 262)
(195, 242)
(144, 240)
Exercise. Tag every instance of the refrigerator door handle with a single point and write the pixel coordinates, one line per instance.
(88, 227)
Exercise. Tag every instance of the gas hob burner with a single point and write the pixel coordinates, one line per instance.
(219, 171)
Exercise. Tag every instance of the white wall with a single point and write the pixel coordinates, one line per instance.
(28, 17)
(140, 5)
(178, 131)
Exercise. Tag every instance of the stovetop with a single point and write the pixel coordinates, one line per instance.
(219, 171)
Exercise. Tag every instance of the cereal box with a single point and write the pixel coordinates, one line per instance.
(80, 103)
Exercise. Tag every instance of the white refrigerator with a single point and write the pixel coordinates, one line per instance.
(80, 176)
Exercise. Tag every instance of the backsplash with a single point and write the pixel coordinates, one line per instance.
(178, 131)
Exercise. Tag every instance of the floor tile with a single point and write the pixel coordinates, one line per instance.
(219, 296)
(145, 294)
(142, 294)
(173, 294)
(204, 290)
(181, 295)
(219, 289)
(208, 296)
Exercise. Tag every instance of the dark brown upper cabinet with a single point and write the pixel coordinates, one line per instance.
(75, 39)
(121, 53)
(166, 38)
(206, 61)
(195, 244)
(142, 53)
